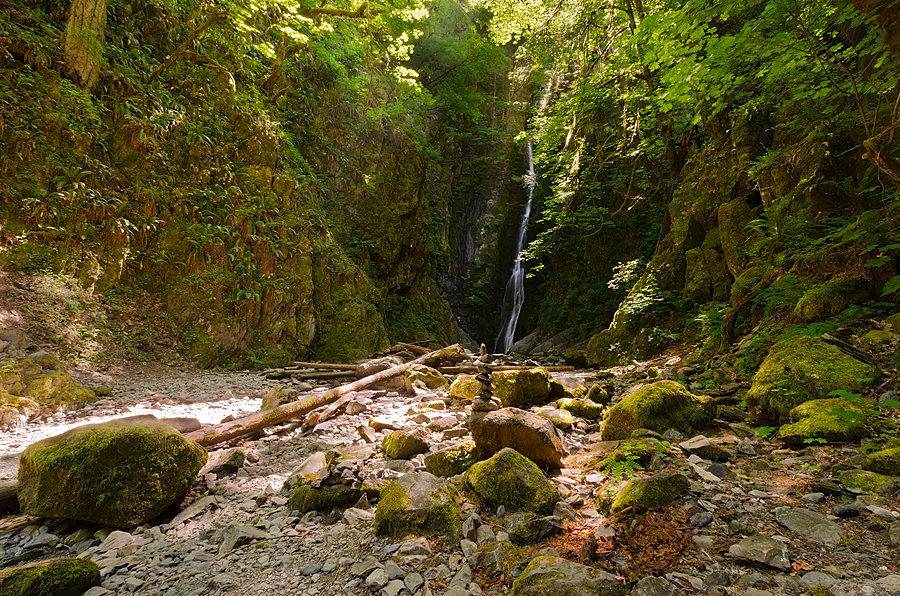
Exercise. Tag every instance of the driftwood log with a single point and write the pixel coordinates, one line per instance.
(453, 370)
(260, 420)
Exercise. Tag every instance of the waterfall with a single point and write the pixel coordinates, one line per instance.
(515, 287)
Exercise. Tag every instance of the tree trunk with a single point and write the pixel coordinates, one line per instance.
(82, 41)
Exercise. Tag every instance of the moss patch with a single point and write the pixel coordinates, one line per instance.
(658, 407)
(510, 479)
(863, 481)
(798, 370)
(50, 578)
(119, 473)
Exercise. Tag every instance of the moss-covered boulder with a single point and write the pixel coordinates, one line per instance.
(597, 394)
(647, 492)
(429, 377)
(866, 482)
(583, 408)
(464, 387)
(419, 503)
(451, 461)
(309, 497)
(497, 557)
(658, 407)
(119, 473)
(522, 388)
(512, 480)
(800, 369)
(830, 298)
(560, 418)
(886, 461)
(42, 379)
(556, 576)
(402, 445)
(837, 420)
(54, 577)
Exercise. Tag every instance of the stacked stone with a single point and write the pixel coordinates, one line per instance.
(484, 400)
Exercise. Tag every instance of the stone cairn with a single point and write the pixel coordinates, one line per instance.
(484, 400)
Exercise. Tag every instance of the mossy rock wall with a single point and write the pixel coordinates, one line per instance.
(118, 473)
(801, 369)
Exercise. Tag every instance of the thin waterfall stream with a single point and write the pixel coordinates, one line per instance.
(514, 296)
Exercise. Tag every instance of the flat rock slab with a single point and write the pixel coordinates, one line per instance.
(811, 525)
(555, 575)
(762, 549)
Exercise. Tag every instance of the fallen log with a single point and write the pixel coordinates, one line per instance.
(332, 374)
(454, 370)
(260, 420)
(322, 366)
(318, 417)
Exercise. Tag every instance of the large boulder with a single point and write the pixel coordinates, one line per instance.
(533, 436)
(403, 445)
(522, 388)
(54, 577)
(419, 503)
(119, 473)
(658, 407)
(512, 480)
(561, 577)
(800, 369)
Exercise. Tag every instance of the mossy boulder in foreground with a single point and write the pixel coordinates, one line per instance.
(512, 480)
(658, 407)
(419, 503)
(55, 577)
(118, 473)
(798, 370)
